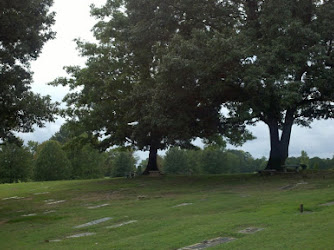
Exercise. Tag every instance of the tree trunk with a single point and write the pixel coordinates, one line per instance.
(152, 161)
(279, 146)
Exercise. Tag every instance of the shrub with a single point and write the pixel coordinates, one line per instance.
(51, 162)
(122, 164)
(15, 163)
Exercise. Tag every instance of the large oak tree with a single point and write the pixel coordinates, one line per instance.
(122, 96)
(280, 62)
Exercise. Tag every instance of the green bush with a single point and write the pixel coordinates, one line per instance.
(213, 161)
(86, 162)
(122, 164)
(15, 163)
(176, 161)
(51, 162)
(180, 161)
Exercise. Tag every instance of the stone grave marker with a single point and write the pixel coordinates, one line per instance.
(80, 235)
(122, 224)
(98, 206)
(183, 204)
(250, 230)
(13, 198)
(208, 243)
(55, 202)
(95, 222)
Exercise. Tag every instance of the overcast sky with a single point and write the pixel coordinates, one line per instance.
(73, 21)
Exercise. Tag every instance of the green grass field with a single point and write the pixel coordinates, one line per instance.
(218, 206)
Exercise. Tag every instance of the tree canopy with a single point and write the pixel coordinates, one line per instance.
(120, 99)
(25, 27)
(15, 163)
(51, 162)
(278, 58)
(161, 72)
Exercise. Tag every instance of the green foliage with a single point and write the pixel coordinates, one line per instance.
(304, 159)
(214, 162)
(269, 61)
(139, 170)
(175, 161)
(122, 164)
(65, 133)
(314, 163)
(32, 147)
(317, 163)
(51, 162)
(15, 163)
(210, 160)
(25, 27)
(86, 162)
(123, 97)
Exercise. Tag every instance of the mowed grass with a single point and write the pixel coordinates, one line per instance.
(221, 207)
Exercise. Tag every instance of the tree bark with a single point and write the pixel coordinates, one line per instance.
(279, 146)
(152, 161)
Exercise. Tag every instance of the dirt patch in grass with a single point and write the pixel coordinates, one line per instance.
(3, 222)
(328, 204)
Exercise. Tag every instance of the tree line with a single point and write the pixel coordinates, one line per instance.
(70, 155)
(160, 72)
(51, 161)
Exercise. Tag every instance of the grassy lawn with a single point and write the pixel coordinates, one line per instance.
(213, 206)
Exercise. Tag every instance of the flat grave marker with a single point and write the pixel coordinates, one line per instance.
(122, 224)
(13, 198)
(55, 202)
(94, 222)
(28, 215)
(250, 230)
(98, 206)
(80, 235)
(208, 243)
(183, 204)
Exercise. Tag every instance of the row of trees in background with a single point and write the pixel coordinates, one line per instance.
(211, 160)
(53, 160)
(67, 155)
